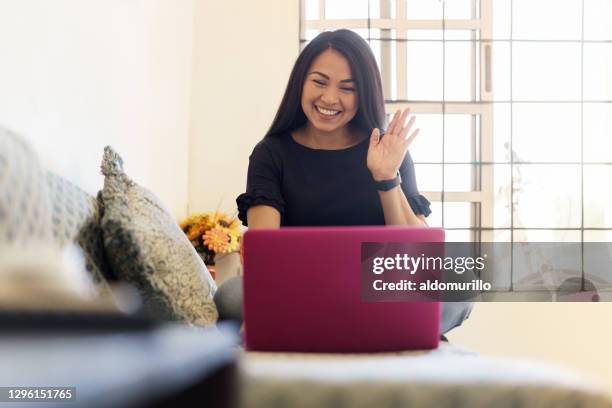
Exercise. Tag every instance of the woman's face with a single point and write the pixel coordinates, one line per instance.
(329, 96)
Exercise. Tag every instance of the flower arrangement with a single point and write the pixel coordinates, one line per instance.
(212, 233)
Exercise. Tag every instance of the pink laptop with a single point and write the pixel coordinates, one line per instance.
(302, 293)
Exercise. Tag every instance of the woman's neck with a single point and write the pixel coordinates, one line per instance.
(338, 139)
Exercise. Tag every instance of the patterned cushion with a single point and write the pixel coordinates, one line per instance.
(39, 208)
(146, 247)
(25, 217)
(76, 218)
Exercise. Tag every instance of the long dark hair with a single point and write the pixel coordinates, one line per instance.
(365, 73)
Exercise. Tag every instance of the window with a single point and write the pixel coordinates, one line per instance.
(514, 102)
(454, 155)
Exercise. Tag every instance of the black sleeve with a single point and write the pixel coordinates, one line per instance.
(263, 182)
(418, 203)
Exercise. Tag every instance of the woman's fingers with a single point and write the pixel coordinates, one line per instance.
(375, 137)
(406, 129)
(412, 137)
(402, 121)
(393, 123)
(397, 123)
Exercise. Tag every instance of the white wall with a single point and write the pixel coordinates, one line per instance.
(243, 54)
(78, 75)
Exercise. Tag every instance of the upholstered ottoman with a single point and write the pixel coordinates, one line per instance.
(449, 376)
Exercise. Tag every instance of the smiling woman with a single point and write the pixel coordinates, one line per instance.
(329, 103)
(324, 160)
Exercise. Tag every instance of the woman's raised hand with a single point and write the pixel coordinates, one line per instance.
(385, 155)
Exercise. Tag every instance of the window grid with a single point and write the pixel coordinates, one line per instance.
(582, 145)
(385, 24)
(400, 26)
(512, 229)
(473, 40)
(443, 193)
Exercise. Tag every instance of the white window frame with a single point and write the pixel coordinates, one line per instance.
(480, 106)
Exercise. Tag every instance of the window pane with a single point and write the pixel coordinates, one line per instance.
(424, 70)
(438, 34)
(495, 209)
(598, 235)
(377, 49)
(429, 177)
(598, 72)
(537, 267)
(546, 71)
(500, 70)
(424, 34)
(545, 266)
(597, 125)
(597, 20)
(503, 235)
(546, 132)
(377, 34)
(459, 143)
(363, 32)
(501, 19)
(458, 10)
(598, 196)
(546, 236)
(598, 258)
(547, 196)
(459, 35)
(501, 132)
(427, 147)
(499, 197)
(458, 177)
(375, 46)
(311, 7)
(310, 34)
(458, 71)
(424, 9)
(458, 215)
(498, 263)
(393, 46)
(547, 19)
(346, 9)
(375, 8)
(435, 218)
(463, 235)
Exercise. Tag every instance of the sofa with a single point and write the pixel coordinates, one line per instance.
(124, 235)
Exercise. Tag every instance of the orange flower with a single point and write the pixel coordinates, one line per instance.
(195, 231)
(212, 233)
(217, 240)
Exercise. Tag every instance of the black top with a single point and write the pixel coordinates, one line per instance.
(320, 187)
